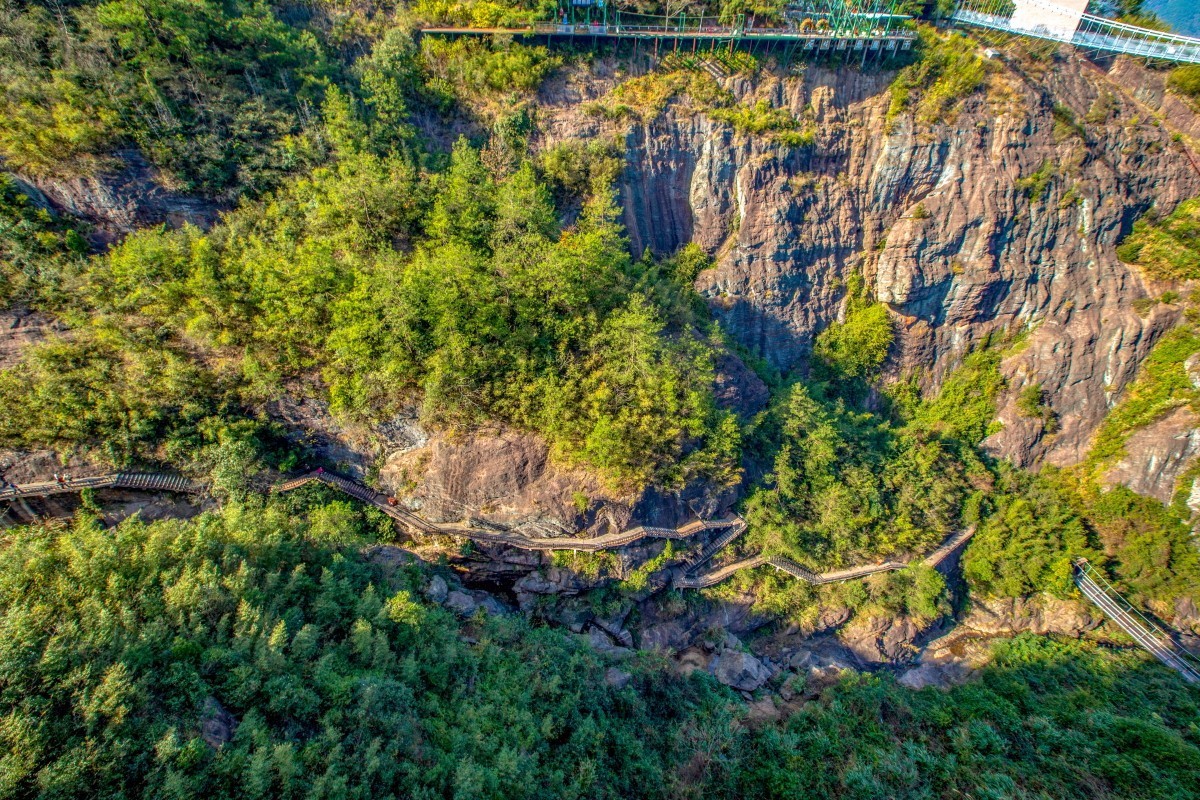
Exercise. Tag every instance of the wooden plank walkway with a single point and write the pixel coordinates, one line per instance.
(590, 544)
(691, 581)
(734, 527)
(145, 481)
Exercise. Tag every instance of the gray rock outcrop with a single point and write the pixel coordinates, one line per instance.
(126, 196)
(942, 220)
(739, 670)
(1040, 614)
(1157, 454)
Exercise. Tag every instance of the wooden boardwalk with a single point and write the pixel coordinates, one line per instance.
(734, 526)
(689, 580)
(589, 544)
(144, 481)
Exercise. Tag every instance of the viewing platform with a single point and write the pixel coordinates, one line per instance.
(813, 25)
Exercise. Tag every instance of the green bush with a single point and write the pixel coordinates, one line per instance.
(40, 252)
(1037, 185)
(947, 71)
(573, 168)
(120, 401)
(1027, 543)
(212, 92)
(483, 13)
(476, 67)
(1031, 403)
(1167, 248)
(1185, 80)
(965, 408)
(857, 347)
(762, 119)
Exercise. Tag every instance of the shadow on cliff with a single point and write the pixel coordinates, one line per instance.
(766, 336)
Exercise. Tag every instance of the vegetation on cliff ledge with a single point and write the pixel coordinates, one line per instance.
(1166, 248)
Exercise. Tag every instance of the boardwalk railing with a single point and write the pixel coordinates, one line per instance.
(895, 38)
(585, 544)
(718, 575)
(145, 481)
(733, 526)
(689, 580)
(1097, 589)
(697, 561)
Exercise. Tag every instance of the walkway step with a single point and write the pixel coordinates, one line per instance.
(735, 530)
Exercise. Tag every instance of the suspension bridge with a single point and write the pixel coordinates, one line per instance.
(1067, 21)
(1143, 631)
(860, 27)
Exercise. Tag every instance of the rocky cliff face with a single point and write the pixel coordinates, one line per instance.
(127, 196)
(942, 220)
(1157, 454)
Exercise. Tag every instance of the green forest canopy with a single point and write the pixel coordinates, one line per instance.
(484, 282)
(400, 275)
(321, 674)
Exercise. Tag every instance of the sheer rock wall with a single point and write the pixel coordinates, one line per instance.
(935, 217)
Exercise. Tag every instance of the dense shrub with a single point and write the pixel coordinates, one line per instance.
(254, 653)
(1185, 80)
(39, 251)
(213, 92)
(1167, 248)
(947, 71)
(857, 347)
(848, 486)
(477, 67)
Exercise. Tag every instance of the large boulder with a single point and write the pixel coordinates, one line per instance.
(461, 603)
(617, 678)
(739, 670)
(127, 195)
(1040, 614)
(882, 640)
(437, 590)
(217, 725)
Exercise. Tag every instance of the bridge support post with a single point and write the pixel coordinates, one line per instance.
(32, 517)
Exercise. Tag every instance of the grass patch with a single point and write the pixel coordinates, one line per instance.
(1037, 185)
(949, 70)
(1185, 81)
(1167, 248)
(646, 97)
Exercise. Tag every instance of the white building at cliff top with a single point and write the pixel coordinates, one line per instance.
(1059, 19)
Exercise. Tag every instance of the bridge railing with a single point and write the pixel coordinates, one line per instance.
(1090, 32)
(900, 32)
(1141, 628)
